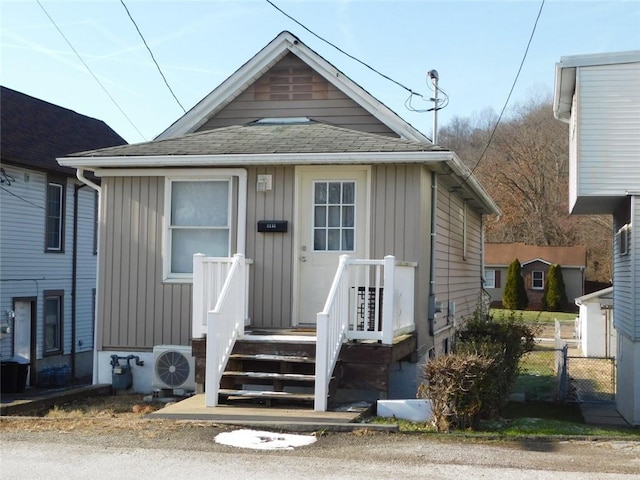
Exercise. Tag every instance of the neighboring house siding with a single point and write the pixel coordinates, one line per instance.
(27, 271)
(609, 118)
(634, 253)
(458, 276)
(623, 300)
(328, 104)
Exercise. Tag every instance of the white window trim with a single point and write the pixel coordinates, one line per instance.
(199, 175)
(60, 233)
(533, 287)
(624, 235)
(486, 278)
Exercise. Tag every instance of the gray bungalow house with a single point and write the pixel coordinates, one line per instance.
(599, 97)
(290, 208)
(47, 239)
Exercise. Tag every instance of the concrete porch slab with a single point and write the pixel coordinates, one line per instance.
(293, 419)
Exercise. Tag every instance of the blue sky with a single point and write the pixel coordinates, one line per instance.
(476, 46)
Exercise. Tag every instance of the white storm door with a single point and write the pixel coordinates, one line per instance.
(332, 220)
(22, 330)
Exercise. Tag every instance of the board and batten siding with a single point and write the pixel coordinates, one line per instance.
(458, 270)
(608, 122)
(306, 94)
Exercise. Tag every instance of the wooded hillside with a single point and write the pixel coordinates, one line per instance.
(525, 170)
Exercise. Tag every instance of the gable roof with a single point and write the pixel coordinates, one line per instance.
(35, 132)
(248, 73)
(268, 137)
(502, 254)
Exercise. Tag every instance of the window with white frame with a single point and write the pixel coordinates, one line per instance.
(197, 214)
(537, 280)
(54, 229)
(334, 216)
(489, 278)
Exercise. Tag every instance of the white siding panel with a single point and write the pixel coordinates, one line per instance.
(609, 129)
(635, 264)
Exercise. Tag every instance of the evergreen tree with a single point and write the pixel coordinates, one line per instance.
(514, 296)
(555, 295)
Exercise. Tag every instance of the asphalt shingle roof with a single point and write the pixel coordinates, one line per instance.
(267, 138)
(34, 133)
(505, 253)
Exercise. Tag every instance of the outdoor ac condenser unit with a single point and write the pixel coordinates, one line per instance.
(173, 367)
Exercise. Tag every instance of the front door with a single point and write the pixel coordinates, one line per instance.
(23, 332)
(332, 220)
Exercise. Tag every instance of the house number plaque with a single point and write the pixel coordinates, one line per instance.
(272, 225)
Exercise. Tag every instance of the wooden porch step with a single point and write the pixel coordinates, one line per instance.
(269, 395)
(292, 377)
(272, 358)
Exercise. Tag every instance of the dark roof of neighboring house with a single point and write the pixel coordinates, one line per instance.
(268, 137)
(34, 133)
(498, 254)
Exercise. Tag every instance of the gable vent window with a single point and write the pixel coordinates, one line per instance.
(291, 83)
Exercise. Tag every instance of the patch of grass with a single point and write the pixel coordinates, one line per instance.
(568, 412)
(534, 426)
(531, 316)
(111, 406)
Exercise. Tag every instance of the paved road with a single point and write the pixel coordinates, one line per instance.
(68, 455)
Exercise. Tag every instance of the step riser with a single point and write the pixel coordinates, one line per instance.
(271, 348)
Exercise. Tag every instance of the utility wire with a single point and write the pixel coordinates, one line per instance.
(88, 69)
(510, 92)
(342, 51)
(152, 57)
(20, 198)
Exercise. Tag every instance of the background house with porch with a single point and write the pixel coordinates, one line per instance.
(48, 223)
(315, 208)
(535, 261)
(598, 96)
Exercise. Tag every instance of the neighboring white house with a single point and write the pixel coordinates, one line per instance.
(594, 328)
(599, 96)
(47, 238)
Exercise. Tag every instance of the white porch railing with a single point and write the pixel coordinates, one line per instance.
(225, 324)
(209, 276)
(368, 300)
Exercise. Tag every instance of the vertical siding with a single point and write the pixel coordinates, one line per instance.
(335, 108)
(458, 279)
(272, 253)
(609, 122)
(400, 226)
(136, 309)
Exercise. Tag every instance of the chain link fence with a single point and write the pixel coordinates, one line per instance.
(550, 374)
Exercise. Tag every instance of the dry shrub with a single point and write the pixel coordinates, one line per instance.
(455, 384)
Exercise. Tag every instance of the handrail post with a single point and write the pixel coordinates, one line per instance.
(388, 299)
(322, 363)
(198, 315)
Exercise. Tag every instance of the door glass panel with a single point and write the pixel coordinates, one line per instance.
(334, 216)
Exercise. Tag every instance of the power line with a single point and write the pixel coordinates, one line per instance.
(89, 69)
(342, 51)
(152, 57)
(533, 31)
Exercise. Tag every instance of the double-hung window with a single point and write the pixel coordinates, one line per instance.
(53, 302)
(54, 228)
(537, 280)
(198, 213)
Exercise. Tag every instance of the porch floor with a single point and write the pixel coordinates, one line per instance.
(293, 419)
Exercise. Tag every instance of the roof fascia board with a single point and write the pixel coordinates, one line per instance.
(594, 59)
(471, 185)
(255, 159)
(357, 93)
(536, 260)
(230, 88)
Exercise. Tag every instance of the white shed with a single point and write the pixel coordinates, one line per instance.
(597, 334)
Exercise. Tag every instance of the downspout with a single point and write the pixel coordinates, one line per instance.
(74, 279)
(431, 312)
(80, 176)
